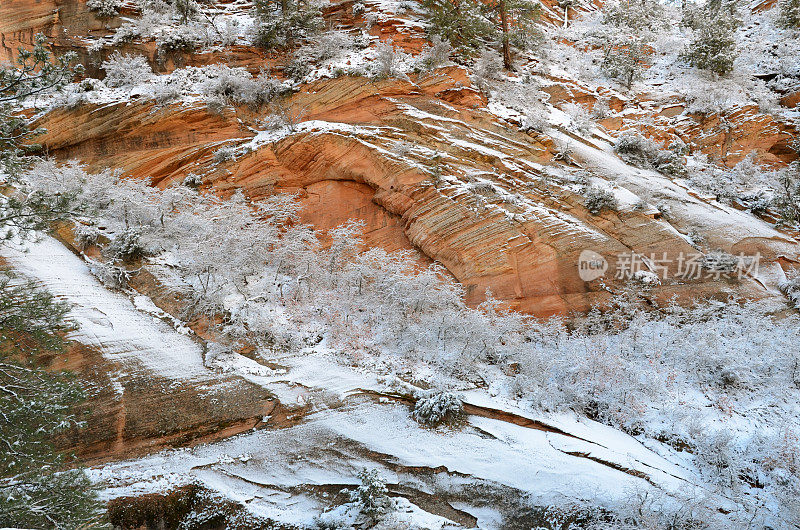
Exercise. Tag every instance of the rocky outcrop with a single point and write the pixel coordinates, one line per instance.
(425, 167)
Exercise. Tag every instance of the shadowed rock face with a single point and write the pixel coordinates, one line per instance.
(131, 413)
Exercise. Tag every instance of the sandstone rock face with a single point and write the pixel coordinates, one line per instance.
(428, 165)
(369, 150)
(62, 21)
(423, 164)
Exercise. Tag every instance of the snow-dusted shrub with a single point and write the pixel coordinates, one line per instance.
(90, 85)
(329, 524)
(280, 24)
(488, 68)
(716, 456)
(654, 509)
(180, 39)
(85, 235)
(388, 61)
(719, 261)
(325, 46)
(600, 109)
(159, 7)
(329, 45)
(104, 8)
(165, 90)
(438, 408)
(111, 275)
(527, 99)
(125, 246)
(216, 104)
(709, 99)
(435, 55)
(640, 151)
(564, 152)
(579, 118)
(597, 199)
(791, 288)
(229, 31)
(236, 86)
(127, 32)
(535, 120)
(68, 99)
(646, 278)
(223, 154)
(664, 210)
(282, 115)
(192, 180)
(358, 8)
(758, 202)
(126, 70)
(155, 16)
(372, 496)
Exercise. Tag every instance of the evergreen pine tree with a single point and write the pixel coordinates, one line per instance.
(626, 61)
(714, 45)
(471, 25)
(789, 13)
(36, 488)
(464, 23)
(282, 23)
(36, 72)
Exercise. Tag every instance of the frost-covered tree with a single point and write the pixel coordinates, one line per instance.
(23, 211)
(789, 13)
(714, 47)
(787, 200)
(36, 72)
(634, 16)
(372, 496)
(434, 55)
(236, 86)
(517, 22)
(638, 150)
(434, 409)
(626, 61)
(37, 490)
(471, 25)
(281, 23)
(126, 70)
(388, 60)
(104, 8)
(463, 23)
(186, 9)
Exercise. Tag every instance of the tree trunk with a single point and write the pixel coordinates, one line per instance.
(504, 23)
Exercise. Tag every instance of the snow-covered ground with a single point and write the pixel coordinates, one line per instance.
(268, 470)
(353, 422)
(108, 321)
